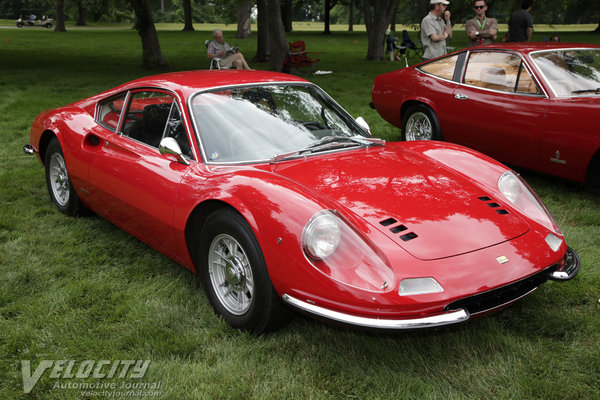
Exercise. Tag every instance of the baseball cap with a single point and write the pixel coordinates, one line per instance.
(439, 1)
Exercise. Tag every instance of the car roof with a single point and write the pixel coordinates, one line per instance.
(190, 82)
(528, 47)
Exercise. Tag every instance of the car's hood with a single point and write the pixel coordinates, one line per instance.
(427, 208)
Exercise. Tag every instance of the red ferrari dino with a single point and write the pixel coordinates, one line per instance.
(265, 186)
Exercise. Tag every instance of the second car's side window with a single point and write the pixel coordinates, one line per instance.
(492, 70)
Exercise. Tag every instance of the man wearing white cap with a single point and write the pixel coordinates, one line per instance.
(435, 30)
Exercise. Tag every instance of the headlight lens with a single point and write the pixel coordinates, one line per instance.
(336, 249)
(321, 236)
(518, 192)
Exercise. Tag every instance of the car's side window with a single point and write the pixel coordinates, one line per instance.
(443, 68)
(152, 116)
(109, 112)
(500, 71)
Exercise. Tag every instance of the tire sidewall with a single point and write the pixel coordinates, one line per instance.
(72, 205)
(231, 223)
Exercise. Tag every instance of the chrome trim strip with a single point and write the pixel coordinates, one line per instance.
(29, 149)
(446, 318)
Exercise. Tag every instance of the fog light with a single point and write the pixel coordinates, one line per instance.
(413, 286)
(553, 241)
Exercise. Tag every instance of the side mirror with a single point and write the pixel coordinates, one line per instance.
(363, 124)
(169, 146)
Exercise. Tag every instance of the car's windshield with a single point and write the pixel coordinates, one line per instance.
(571, 72)
(258, 123)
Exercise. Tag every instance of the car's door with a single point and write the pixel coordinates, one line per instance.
(498, 108)
(133, 183)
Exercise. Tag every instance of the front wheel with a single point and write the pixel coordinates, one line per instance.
(60, 188)
(235, 275)
(420, 123)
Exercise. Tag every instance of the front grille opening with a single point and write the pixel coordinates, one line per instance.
(388, 222)
(398, 229)
(503, 295)
(409, 236)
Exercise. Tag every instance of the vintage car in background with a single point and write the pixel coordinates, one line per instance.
(533, 105)
(265, 186)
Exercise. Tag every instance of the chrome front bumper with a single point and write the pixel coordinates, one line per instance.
(29, 149)
(442, 319)
(569, 270)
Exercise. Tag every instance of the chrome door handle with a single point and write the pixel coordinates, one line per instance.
(459, 96)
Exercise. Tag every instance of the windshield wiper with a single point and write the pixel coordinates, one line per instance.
(347, 139)
(329, 143)
(597, 90)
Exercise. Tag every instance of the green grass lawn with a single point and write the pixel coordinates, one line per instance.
(81, 289)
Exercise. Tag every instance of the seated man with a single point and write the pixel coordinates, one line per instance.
(229, 57)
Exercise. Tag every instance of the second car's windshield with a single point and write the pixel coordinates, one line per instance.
(571, 72)
(258, 123)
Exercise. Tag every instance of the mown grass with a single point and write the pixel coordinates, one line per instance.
(81, 289)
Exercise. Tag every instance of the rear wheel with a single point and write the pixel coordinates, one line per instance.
(59, 185)
(235, 275)
(420, 123)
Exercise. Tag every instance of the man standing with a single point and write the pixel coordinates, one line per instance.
(435, 30)
(481, 29)
(520, 24)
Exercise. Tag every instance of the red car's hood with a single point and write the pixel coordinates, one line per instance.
(425, 207)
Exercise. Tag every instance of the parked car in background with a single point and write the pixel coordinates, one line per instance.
(261, 183)
(534, 105)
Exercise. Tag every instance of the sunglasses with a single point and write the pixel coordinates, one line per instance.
(479, 7)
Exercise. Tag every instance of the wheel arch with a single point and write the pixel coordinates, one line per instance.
(197, 219)
(592, 176)
(45, 139)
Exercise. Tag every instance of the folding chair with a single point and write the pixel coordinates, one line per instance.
(409, 45)
(299, 60)
(215, 63)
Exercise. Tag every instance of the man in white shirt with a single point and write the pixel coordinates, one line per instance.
(435, 29)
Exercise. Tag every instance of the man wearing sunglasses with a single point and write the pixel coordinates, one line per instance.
(481, 29)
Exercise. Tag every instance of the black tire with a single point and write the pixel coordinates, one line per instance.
(235, 275)
(419, 122)
(61, 190)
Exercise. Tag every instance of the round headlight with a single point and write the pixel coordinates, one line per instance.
(518, 192)
(321, 235)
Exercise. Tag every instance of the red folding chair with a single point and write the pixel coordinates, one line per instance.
(299, 61)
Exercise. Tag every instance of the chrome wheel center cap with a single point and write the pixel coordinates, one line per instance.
(234, 273)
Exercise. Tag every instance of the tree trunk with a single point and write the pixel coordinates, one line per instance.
(277, 40)
(80, 14)
(287, 14)
(188, 26)
(60, 16)
(151, 54)
(376, 22)
(262, 32)
(351, 16)
(327, 31)
(244, 27)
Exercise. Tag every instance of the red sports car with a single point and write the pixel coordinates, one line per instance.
(528, 104)
(265, 186)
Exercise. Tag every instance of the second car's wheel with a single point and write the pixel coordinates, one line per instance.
(420, 123)
(235, 275)
(57, 178)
